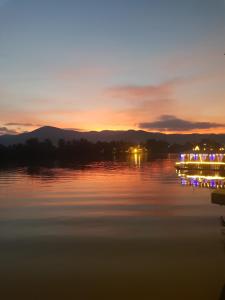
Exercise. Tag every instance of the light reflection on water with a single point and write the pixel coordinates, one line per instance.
(202, 178)
(109, 230)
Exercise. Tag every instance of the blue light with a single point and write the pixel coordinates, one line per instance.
(212, 184)
(212, 157)
(182, 156)
(183, 182)
(196, 157)
(196, 183)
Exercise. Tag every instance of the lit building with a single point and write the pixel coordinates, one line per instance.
(202, 159)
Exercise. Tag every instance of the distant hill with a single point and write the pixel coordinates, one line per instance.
(136, 136)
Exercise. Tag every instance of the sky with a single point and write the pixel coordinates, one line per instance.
(153, 65)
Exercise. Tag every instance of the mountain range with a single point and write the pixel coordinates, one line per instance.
(136, 136)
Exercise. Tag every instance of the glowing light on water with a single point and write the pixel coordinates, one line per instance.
(200, 163)
(213, 181)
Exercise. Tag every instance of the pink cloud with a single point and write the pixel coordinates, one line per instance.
(146, 92)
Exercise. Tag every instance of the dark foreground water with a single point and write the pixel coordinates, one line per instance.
(108, 230)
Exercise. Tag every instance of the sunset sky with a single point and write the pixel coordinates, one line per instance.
(155, 65)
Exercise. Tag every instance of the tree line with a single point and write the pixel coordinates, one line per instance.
(33, 149)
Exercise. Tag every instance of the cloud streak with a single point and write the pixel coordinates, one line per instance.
(5, 130)
(145, 92)
(173, 124)
(22, 124)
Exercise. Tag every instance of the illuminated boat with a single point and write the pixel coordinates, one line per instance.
(202, 159)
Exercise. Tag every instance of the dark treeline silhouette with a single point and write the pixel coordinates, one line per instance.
(34, 149)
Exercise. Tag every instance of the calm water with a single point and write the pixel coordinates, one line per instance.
(108, 230)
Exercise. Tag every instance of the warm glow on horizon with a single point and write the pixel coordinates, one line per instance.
(112, 79)
(21, 129)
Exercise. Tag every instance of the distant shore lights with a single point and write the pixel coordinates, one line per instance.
(137, 154)
(137, 150)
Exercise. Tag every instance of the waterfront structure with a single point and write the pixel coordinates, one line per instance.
(202, 158)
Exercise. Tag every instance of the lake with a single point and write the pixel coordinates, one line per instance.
(108, 230)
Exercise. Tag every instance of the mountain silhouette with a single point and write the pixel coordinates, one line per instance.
(135, 136)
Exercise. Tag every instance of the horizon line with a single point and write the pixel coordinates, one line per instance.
(113, 130)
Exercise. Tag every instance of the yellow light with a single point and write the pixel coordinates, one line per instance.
(199, 163)
(135, 150)
(205, 177)
(215, 177)
(197, 148)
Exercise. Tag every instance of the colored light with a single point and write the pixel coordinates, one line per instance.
(205, 177)
(197, 148)
(200, 163)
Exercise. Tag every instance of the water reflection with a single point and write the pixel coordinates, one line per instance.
(219, 199)
(137, 159)
(108, 230)
(202, 178)
(213, 180)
